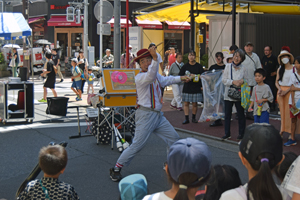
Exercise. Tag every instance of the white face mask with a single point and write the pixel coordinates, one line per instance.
(285, 60)
(130, 50)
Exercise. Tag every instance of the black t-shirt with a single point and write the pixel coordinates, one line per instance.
(216, 67)
(50, 68)
(192, 87)
(82, 65)
(270, 65)
(55, 58)
(17, 59)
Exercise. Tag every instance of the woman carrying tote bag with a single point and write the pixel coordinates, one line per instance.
(233, 78)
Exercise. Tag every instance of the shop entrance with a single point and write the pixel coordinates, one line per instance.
(70, 41)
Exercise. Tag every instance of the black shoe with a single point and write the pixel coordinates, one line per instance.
(194, 121)
(186, 121)
(225, 137)
(216, 123)
(62, 80)
(115, 174)
(239, 137)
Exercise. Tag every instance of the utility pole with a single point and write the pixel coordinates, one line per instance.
(233, 20)
(117, 33)
(26, 60)
(85, 28)
(192, 45)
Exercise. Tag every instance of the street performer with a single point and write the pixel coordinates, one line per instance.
(149, 118)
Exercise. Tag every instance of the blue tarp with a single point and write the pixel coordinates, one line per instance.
(13, 25)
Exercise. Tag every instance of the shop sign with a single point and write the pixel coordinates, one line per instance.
(54, 7)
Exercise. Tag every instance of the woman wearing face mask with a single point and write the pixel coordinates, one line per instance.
(285, 71)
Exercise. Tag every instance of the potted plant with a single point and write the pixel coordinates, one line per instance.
(3, 67)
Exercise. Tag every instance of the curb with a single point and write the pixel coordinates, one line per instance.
(206, 136)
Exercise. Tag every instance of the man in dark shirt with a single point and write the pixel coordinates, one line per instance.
(56, 60)
(270, 65)
(219, 65)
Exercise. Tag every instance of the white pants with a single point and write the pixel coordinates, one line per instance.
(177, 92)
(147, 123)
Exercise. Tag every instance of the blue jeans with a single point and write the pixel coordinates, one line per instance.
(76, 84)
(264, 118)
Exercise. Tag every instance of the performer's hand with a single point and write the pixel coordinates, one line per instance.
(185, 79)
(152, 51)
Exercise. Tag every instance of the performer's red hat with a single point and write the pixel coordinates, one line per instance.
(143, 53)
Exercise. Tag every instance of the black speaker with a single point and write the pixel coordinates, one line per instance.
(23, 73)
(57, 106)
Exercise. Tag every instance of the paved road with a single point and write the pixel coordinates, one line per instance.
(88, 166)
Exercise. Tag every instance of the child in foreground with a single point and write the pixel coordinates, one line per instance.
(261, 96)
(53, 161)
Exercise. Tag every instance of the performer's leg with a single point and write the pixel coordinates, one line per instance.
(166, 131)
(146, 123)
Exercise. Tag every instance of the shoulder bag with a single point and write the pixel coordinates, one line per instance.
(234, 92)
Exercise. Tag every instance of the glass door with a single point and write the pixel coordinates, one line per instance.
(76, 43)
(63, 44)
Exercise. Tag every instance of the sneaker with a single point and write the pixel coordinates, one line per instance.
(115, 174)
(42, 100)
(78, 99)
(239, 137)
(171, 106)
(62, 80)
(290, 142)
(225, 137)
(179, 109)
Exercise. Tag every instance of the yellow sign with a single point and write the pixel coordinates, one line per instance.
(200, 39)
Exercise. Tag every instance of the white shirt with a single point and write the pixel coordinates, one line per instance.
(157, 196)
(233, 194)
(251, 67)
(159, 59)
(237, 74)
(285, 81)
(148, 86)
(291, 180)
(294, 81)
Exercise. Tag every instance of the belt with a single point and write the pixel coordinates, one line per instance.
(147, 109)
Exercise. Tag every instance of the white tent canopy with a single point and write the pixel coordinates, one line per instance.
(13, 25)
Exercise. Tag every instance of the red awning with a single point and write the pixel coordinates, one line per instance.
(61, 21)
(35, 19)
(178, 25)
(122, 21)
(149, 24)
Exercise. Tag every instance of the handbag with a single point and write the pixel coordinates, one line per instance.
(234, 92)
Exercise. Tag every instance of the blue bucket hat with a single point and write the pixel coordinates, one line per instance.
(189, 155)
(133, 187)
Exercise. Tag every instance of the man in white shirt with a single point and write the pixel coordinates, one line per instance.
(149, 118)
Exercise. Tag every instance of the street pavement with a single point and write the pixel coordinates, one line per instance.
(89, 163)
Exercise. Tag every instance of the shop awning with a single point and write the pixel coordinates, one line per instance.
(122, 21)
(181, 13)
(61, 20)
(13, 25)
(35, 19)
(178, 25)
(149, 24)
(286, 9)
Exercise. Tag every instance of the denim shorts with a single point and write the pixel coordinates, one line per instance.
(76, 84)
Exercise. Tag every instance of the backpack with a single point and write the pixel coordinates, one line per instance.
(80, 71)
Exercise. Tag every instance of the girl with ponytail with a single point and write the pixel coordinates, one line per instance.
(260, 152)
(188, 167)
